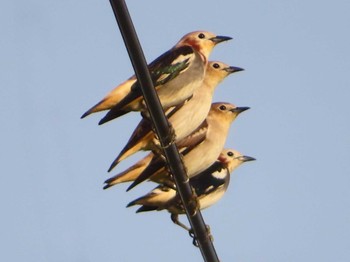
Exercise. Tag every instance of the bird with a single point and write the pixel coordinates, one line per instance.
(175, 75)
(184, 118)
(200, 149)
(209, 186)
(196, 139)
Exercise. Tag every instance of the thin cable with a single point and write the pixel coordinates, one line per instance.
(162, 128)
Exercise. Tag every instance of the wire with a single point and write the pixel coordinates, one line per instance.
(162, 129)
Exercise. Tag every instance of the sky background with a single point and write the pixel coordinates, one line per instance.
(58, 58)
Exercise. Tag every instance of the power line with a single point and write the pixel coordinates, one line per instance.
(163, 129)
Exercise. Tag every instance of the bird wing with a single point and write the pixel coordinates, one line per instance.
(162, 70)
(188, 143)
(205, 182)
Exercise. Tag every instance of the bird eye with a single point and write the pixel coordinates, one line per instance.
(230, 153)
(216, 65)
(201, 35)
(222, 107)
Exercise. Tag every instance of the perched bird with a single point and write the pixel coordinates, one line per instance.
(200, 149)
(184, 118)
(175, 74)
(197, 138)
(209, 187)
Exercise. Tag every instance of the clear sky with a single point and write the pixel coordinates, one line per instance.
(58, 58)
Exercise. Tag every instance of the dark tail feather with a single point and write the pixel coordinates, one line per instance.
(92, 109)
(156, 164)
(115, 162)
(135, 93)
(141, 130)
(117, 110)
(132, 203)
(146, 208)
(107, 186)
(85, 114)
(112, 114)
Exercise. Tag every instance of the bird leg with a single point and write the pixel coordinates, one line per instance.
(158, 151)
(170, 183)
(193, 203)
(168, 140)
(145, 115)
(175, 219)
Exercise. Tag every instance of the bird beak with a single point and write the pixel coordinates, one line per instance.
(218, 39)
(246, 158)
(233, 69)
(239, 110)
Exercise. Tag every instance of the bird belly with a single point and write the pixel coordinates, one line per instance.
(204, 155)
(189, 117)
(212, 198)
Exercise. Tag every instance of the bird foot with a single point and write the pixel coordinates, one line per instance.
(194, 203)
(175, 219)
(168, 140)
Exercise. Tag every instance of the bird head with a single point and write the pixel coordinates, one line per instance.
(231, 159)
(226, 111)
(217, 71)
(202, 41)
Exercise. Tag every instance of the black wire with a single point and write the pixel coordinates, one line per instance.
(162, 128)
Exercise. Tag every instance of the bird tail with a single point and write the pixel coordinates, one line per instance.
(139, 140)
(112, 98)
(113, 114)
(146, 208)
(126, 152)
(129, 174)
(100, 106)
(128, 103)
(158, 197)
(154, 168)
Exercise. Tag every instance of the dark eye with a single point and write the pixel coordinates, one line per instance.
(216, 65)
(201, 35)
(222, 107)
(230, 153)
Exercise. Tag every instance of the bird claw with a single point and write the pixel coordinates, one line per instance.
(175, 219)
(194, 203)
(168, 140)
(158, 151)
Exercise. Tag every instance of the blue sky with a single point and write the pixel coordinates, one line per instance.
(58, 58)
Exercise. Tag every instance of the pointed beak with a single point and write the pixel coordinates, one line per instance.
(239, 110)
(233, 69)
(246, 158)
(218, 39)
